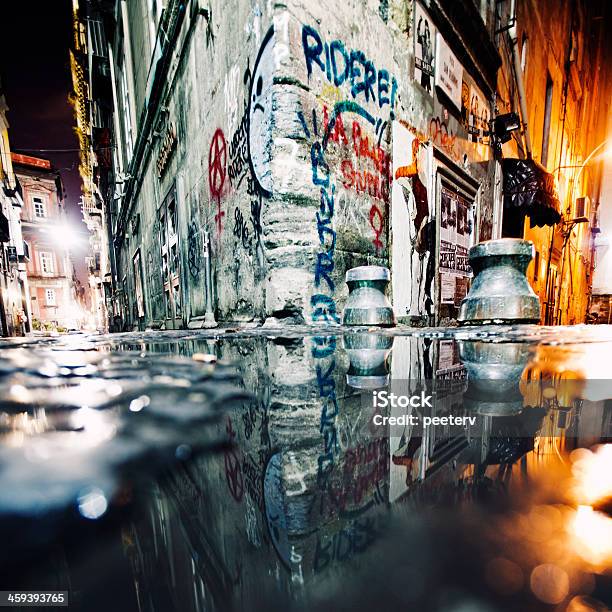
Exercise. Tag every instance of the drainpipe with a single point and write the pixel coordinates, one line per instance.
(209, 316)
(513, 35)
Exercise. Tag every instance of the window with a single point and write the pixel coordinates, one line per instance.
(126, 111)
(546, 125)
(50, 297)
(40, 210)
(138, 283)
(46, 263)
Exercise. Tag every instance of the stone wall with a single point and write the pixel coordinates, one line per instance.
(283, 127)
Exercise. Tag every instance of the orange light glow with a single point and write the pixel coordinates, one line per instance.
(593, 536)
(592, 472)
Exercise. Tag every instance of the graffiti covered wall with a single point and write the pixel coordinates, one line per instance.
(292, 150)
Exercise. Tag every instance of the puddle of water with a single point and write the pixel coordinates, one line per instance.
(307, 501)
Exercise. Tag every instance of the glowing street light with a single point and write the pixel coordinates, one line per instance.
(65, 235)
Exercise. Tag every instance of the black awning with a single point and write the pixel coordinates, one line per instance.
(529, 190)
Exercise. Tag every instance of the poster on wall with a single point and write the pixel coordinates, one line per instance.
(449, 72)
(456, 228)
(478, 121)
(413, 223)
(424, 48)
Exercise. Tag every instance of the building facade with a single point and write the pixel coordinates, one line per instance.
(287, 144)
(15, 312)
(93, 110)
(601, 301)
(561, 50)
(49, 269)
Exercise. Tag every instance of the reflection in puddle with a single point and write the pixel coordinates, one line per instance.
(310, 503)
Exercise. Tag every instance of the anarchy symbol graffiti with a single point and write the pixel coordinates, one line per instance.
(217, 163)
(217, 159)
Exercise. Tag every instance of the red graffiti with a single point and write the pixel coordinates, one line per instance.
(338, 133)
(365, 466)
(363, 181)
(233, 471)
(377, 223)
(363, 148)
(217, 160)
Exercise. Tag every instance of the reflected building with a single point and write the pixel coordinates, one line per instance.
(308, 490)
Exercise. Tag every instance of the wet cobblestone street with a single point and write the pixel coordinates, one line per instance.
(241, 468)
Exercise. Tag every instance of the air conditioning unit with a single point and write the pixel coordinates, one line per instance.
(582, 207)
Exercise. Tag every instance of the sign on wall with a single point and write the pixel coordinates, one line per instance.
(474, 112)
(448, 72)
(424, 48)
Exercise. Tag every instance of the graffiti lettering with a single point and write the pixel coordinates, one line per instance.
(340, 65)
(324, 346)
(253, 480)
(194, 250)
(326, 385)
(239, 153)
(353, 539)
(324, 309)
(364, 474)
(374, 182)
(241, 231)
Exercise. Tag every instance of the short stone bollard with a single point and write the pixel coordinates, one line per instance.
(367, 353)
(494, 372)
(367, 303)
(500, 292)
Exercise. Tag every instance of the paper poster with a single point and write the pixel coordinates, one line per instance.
(413, 247)
(424, 48)
(478, 121)
(447, 288)
(456, 228)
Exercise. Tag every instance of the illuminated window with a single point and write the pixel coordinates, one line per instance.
(50, 297)
(46, 262)
(40, 210)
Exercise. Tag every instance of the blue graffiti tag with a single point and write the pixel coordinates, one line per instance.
(323, 352)
(340, 65)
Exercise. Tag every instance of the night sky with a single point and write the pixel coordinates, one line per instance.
(35, 69)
